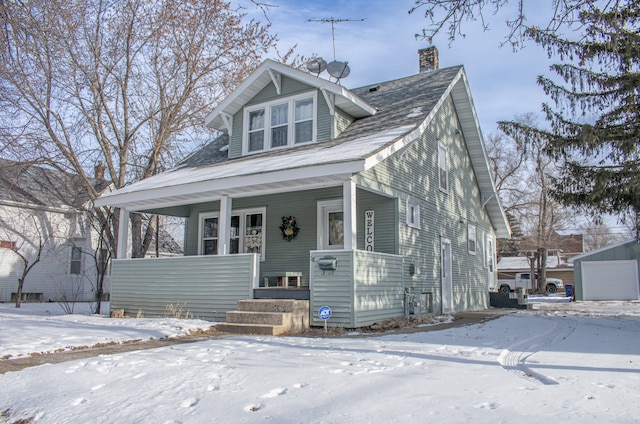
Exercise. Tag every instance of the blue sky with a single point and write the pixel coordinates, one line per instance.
(383, 47)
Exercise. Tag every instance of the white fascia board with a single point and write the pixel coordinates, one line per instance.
(475, 137)
(223, 184)
(402, 143)
(271, 68)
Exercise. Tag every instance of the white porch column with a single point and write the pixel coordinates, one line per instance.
(349, 206)
(224, 226)
(123, 234)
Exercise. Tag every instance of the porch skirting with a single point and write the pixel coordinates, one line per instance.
(204, 286)
(281, 293)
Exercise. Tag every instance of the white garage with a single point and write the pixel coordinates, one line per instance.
(610, 280)
(611, 273)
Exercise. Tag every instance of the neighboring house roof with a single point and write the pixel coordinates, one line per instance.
(29, 184)
(517, 263)
(392, 115)
(570, 244)
(603, 249)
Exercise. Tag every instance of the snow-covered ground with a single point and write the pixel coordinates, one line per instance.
(567, 362)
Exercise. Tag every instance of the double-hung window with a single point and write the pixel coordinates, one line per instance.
(443, 168)
(471, 239)
(246, 233)
(75, 265)
(413, 214)
(280, 123)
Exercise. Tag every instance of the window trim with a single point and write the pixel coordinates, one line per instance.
(415, 222)
(291, 122)
(79, 260)
(442, 150)
(472, 230)
(242, 214)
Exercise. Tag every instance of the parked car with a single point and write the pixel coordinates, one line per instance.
(523, 279)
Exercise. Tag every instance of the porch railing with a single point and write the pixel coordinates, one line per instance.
(204, 286)
(364, 288)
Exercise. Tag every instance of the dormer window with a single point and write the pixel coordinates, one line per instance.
(280, 123)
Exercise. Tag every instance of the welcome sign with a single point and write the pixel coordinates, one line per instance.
(368, 231)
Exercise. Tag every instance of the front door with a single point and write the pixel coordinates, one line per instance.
(445, 275)
(330, 225)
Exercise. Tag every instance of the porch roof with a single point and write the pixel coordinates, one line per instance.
(324, 165)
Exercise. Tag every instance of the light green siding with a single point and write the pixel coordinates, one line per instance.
(289, 87)
(365, 288)
(205, 286)
(413, 176)
(343, 120)
(293, 256)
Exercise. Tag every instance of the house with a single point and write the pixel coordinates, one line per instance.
(610, 273)
(45, 210)
(376, 201)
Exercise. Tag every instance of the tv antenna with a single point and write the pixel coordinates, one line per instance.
(334, 21)
(337, 69)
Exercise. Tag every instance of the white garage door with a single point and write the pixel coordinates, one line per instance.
(610, 280)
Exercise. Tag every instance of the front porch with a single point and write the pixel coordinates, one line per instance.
(360, 287)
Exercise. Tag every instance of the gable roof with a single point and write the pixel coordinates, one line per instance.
(271, 71)
(630, 242)
(31, 185)
(403, 110)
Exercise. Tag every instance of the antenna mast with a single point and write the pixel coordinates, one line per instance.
(334, 21)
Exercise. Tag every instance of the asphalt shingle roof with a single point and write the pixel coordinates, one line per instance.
(404, 102)
(31, 184)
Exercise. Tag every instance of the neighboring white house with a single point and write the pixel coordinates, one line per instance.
(42, 206)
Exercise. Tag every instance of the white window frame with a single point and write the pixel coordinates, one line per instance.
(443, 160)
(291, 122)
(472, 239)
(201, 218)
(326, 207)
(79, 260)
(413, 214)
(242, 214)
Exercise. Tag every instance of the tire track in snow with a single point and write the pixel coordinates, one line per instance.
(514, 358)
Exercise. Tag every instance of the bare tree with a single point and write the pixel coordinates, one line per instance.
(522, 172)
(598, 235)
(122, 82)
(450, 16)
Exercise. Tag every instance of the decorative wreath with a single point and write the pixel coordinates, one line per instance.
(289, 228)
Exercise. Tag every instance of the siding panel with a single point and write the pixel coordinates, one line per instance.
(206, 286)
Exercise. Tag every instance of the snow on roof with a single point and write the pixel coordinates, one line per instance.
(522, 262)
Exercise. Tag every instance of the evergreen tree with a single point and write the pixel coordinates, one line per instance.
(595, 123)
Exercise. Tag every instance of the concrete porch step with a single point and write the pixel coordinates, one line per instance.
(273, 305)
(267, 317)
(252, 329)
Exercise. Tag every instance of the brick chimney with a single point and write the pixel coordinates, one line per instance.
(99, 171)
(428, 59)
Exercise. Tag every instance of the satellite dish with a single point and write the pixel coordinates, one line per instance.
(338, 69)
(317, 65)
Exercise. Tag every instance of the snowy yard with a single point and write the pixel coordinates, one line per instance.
(566, 362)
